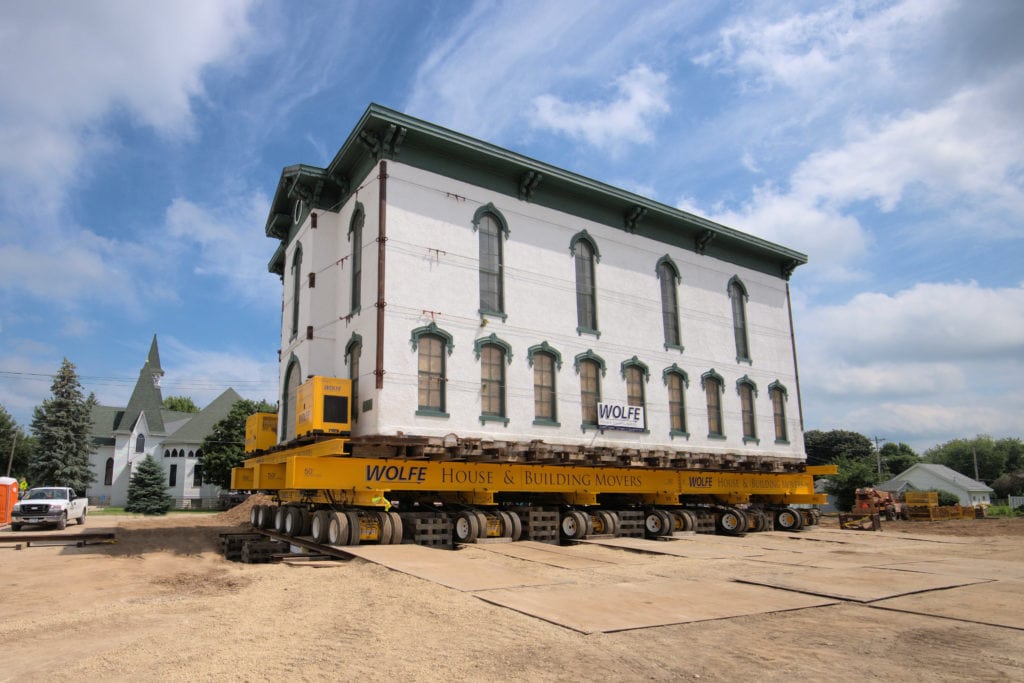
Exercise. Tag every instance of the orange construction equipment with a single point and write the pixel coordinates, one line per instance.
(869, 501)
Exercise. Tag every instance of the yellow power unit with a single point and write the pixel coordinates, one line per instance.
(323, 404)
(260, 432)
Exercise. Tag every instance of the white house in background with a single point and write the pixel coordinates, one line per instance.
(123, 436)
(930, 477)
(520, 300)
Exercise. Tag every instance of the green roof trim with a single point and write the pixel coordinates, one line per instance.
(383, 133)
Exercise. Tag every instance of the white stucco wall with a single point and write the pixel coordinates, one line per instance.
(432, 275)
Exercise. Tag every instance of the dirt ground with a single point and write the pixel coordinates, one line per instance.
(162, 604)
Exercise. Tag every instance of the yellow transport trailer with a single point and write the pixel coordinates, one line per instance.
(325, 489)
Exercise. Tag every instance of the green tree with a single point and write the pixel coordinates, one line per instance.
(11, 434)
(947, 498)
(959, 455)
(224, 447)
(1010, 484)
(825, 447)
(182, 404)
(854, 473)
(897, 458)
(62, 426)
(147, 492)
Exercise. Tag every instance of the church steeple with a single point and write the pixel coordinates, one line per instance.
(146, 397)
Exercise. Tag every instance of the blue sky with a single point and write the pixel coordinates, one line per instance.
(142, 143)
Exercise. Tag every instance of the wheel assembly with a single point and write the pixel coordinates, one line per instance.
(320, 525)
(337, 528)
(787, 519)
(355, 528)
(466, 527)
(657, 523)
(574, 525)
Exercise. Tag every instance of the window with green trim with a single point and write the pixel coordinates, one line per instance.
(590, 390)
(586, 289)
(676, 402)
(492, 288)
(544, 405)
(353, 351)
(778, 395)
(738, 297)
(713, 394)
(492, 380)
(296, 285)
(356, 232)
(635, 394)
(668, 277)
(746, 390)
(431, 373)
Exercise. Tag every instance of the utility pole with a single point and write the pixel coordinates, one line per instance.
(878, 455)
(974, 450)
(14, 441)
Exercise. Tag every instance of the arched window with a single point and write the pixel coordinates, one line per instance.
(747, 391)
(778, 394)
(355, 232)
(636, 375)
(108, 473)
(585, 254)
(738, 297)
(353, 350)
(713, 387)
(545, 361)
(296, 285)
(292, 379)
(191, 454)
(492, 227)
(167, 453)
(431, 342)
(590, 368)
(676, 380)
(668, 277)
(140, 443)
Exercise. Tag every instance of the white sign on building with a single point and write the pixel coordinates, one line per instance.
(620, 416)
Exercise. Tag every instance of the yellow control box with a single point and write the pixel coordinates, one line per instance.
(323, 406)
(260, 432)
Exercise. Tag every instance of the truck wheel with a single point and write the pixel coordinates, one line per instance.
(321, 522)
(81, 520)
(466, 527)
(787, 520)
(254, 515)
(62, 523)
(731, 522)
(397, 528)
(337, 529)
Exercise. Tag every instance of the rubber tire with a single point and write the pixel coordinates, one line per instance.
(786, 520)
(656, 523)
(267, 514)
(294, 520)
(572, 525)
(586, 526)
(465, 527)
(481, 520)
(81, 520)
(506, 523)
(670, 524)
(730, 522)
(355, 529)
(517, 526)
(254, 515)
(611, 526)
(320, 525)
(337, 528)
(62, 523)
(280, 515)
(397, 528)
(386, 528)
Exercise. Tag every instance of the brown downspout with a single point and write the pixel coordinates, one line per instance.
(796, 369)
(382, 237)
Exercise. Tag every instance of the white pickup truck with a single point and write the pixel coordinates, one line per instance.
(49, 505)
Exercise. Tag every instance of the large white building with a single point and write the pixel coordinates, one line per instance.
(474, 293)
(123, 436)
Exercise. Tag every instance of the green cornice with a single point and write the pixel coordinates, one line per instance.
(383, 133)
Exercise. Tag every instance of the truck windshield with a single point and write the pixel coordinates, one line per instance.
(44, 494)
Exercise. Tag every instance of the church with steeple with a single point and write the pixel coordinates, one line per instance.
(123, 436)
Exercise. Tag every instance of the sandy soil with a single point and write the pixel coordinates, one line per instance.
(162, 604)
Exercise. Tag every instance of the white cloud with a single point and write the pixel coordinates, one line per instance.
(227, 249)
(80, 62)
(642, 98)
(204, 374)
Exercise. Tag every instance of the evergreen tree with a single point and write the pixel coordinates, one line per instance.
(62, 426)
(146, 490)
(224, 447)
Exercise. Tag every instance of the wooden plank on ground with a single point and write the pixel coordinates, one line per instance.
(522, 551)
(963, 566)
(1002, 600)
(866, 584)
(643, 604)
(447, 567)
(680, 547)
